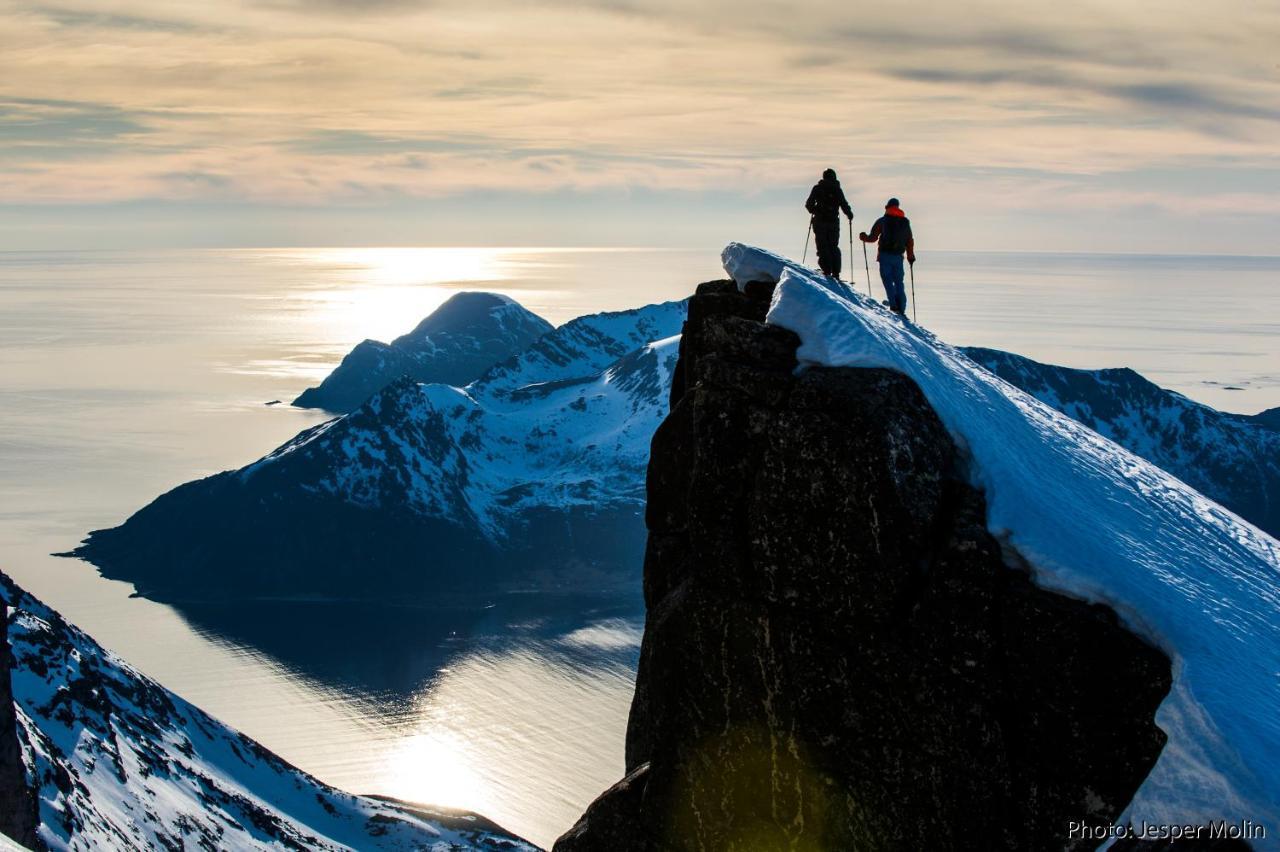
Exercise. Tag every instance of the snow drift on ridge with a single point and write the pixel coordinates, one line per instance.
(1098, 522)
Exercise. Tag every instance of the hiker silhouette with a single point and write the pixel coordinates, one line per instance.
(826, 200)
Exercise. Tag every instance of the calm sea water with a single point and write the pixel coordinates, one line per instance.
(125, 374)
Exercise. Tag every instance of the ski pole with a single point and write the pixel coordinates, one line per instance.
(868, 266)
(913, 291)
(851, 250)
(805, 256)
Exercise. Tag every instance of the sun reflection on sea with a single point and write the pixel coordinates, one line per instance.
(382, 293)
(556, 706)
(436, 766)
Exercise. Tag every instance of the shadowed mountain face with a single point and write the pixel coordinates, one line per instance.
(461, 339)
(531, 477)
(1232, 459)
(1269, 418)
(116, 761)
(836, 653)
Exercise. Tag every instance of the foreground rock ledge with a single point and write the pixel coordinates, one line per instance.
(837, 654)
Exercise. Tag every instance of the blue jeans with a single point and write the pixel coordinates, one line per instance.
(891, 273)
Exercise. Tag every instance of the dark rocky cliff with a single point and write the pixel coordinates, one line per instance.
(18, 814)
(838, 655)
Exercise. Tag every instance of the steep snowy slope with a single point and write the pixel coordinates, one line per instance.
(461, 339)
(531, 476)
(118, 762)
(1232, 459)
(1096, 521)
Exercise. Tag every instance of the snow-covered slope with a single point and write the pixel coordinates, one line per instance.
(1232, 459)
(532, 475)
(1097, 522)
(582, 347)
(118, 762)
(461, 339)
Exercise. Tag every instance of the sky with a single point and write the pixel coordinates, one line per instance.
(1118, 126)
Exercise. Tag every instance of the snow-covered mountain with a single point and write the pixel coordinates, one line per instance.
(117, 762)
(430, 490)
(1231, 458)
(1094, 521)
(454, 345)
(531, 476)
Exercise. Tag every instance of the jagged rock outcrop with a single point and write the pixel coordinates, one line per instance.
(461, 339)
(837, 654)
(18, 815)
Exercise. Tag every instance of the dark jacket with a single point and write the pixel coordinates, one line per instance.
(893, 232)
(826, 200)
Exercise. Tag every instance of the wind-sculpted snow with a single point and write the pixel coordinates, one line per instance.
(1235, 460)
(461, 339)
(118, 762)
(1098, 522)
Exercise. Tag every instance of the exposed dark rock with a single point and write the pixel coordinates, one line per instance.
(838, 655)
(461, 339)
(18, 814)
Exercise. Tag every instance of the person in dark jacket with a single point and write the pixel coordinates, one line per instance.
(893, 232)
(826, 200)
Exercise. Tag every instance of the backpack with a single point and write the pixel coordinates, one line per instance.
(894, 233)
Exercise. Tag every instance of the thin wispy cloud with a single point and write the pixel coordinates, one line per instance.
(319, 101)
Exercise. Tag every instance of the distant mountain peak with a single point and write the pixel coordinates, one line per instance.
(454, 345)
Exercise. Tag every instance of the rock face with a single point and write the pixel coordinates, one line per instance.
(18, 816)
(1232, 459)
(837, 654)
(461, 339)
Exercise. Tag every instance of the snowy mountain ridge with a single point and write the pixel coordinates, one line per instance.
(453, 345)
(565, 423)
(538, 465)
(1233, 459)
(1097, 522)
(118, 762)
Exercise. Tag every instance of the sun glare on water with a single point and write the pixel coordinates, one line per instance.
(435, 767)
(381, 293)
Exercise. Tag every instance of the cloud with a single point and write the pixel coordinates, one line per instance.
(310, 101)
(46, 121)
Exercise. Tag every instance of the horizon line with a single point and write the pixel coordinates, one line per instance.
(600, 249)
